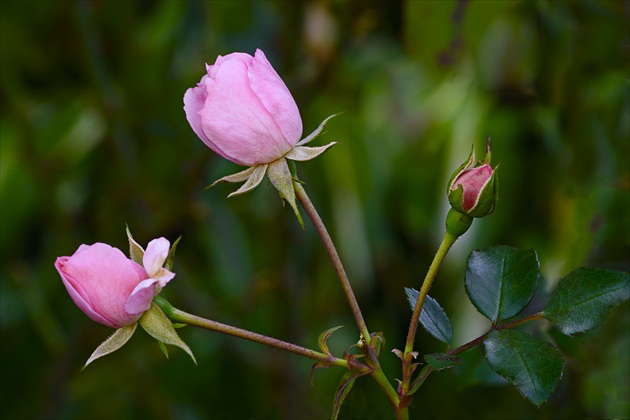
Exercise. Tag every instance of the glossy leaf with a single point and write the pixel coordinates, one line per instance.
(433, 318)
(500, 281)
(532, 365)
(584, 297)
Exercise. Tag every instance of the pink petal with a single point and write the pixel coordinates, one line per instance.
(78, 295)
(473, 180)
(194, 99)
(276, 97)
(155, 255)
(163, 276)
(100, 278)
(141, 297)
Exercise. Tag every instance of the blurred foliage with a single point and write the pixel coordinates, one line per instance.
(93, 137)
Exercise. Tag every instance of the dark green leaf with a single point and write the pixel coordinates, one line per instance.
(433, 318)
(532, 365)
(500, 281)
(344, 388)
(584, 297)
(441, 361)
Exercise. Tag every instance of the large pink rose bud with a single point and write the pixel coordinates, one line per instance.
(243, 111)
(109, 287)
(472, 189)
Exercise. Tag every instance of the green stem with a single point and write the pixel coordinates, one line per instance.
(427, 370)
(182, 317)
(306, 203)
(408, 355)
(447, 243)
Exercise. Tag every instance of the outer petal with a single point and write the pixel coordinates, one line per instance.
(275, 96)
(194, 98)
(235, 120)
(78, 295)
(100, 279)
(141, 297)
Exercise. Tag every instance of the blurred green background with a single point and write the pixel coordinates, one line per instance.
(93, 137)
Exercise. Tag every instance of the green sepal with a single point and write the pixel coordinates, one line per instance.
(469, 163)
(457, 223)
(323, 339)
(158, 326)
(318, 131)
(163, 348)
(304, 153)
(168, 264)
(135, 250)
(280, 176)
(113, 343)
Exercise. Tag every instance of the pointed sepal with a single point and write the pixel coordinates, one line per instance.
(280, 177)
(250, 176)
(316, 133)
(304, 153)
(168, 264)
(323, 339)
(113, 343)
(136, 252)
(158, 326)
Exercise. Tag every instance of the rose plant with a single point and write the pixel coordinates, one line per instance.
(243, 111)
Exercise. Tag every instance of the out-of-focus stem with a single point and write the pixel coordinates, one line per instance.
(306, 203)
(371, 359)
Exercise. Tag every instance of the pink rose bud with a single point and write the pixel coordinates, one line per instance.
(472, 190)
(109, 287)
(243, 111)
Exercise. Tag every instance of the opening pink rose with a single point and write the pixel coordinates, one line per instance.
(109, 287)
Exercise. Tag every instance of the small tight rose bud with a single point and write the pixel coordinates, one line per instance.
(472, 189)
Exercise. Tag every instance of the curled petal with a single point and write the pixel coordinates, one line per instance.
(155, 255)
(141, 297)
